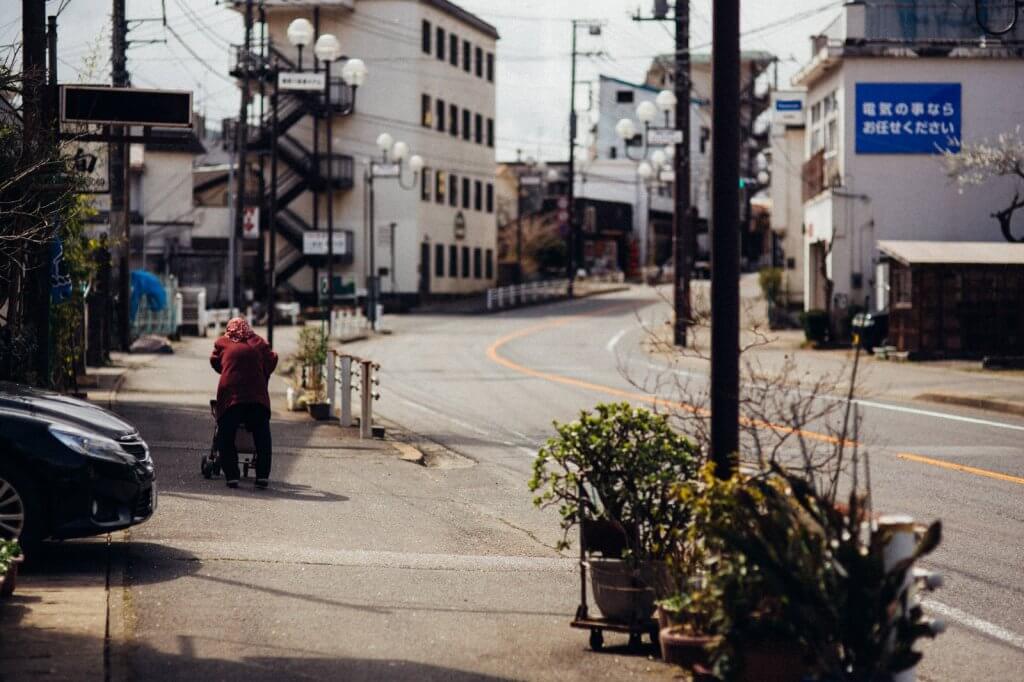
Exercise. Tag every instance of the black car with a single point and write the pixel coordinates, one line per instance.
(68, 468)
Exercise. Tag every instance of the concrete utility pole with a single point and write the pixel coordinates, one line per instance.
(725, 257)
(120, 200)
(682, 217)
(241, 145)
(570, 256)
(34, 148)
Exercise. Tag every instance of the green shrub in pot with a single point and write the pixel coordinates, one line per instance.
(619, 464)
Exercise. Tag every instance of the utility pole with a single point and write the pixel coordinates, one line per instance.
(120, 203)
(272, 218)
(574, 241)
(35, 148)
(725, 260)
(682, 215)
(241, 144)
(570, 256)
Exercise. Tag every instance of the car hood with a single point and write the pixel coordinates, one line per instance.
(64, 408)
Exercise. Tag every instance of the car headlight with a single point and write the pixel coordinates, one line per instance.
(91, 445)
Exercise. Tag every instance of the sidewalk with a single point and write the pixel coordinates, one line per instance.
(355, 565)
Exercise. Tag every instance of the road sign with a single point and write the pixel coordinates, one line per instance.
(563, 203)
(661, 136)
(302, 80)
(125, 106)
(251, 222)
(315, 243)
(92, 163)
(529, 180)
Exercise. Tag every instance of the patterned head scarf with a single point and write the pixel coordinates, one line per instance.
(239, 330)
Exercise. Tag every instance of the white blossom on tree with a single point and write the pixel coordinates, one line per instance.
(980, 163)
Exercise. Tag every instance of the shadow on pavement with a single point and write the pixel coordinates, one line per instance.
(141, 661)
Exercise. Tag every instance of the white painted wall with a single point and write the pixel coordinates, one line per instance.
(908, 196)
(386, 34)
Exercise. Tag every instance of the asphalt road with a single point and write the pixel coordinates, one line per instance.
(488, 387)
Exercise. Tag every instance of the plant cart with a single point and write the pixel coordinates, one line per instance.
(635, 627)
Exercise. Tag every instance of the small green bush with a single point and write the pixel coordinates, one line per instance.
(620, 464)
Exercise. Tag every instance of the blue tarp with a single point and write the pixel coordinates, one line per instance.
(147, 284)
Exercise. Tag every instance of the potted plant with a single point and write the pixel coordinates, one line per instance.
(10, 557)
(312, 357)
(796, 585)
(614, 471)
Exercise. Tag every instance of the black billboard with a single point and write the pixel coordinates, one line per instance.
(125, 106)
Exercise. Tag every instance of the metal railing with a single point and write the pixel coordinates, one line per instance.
(345, 373)
(523, 294)
(347, 323)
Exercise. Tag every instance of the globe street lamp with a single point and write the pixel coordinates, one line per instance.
(394, 156)
(326, 49)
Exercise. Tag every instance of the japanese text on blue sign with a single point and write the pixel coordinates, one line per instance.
(908, 118)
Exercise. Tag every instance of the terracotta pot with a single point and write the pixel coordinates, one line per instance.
(682, 649)
(622, 595)
(319, 411)
(772, 661)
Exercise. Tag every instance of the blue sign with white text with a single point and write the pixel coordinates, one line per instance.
(789, 105)
(908, 118)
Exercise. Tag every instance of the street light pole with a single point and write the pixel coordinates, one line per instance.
(725, 262)
(272, 218)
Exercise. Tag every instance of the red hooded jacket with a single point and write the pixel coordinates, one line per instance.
(245, 368)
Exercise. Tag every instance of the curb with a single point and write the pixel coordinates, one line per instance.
(988, 404)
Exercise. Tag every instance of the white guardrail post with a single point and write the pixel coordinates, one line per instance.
(366, 395)
(345, 415)
(332, 378)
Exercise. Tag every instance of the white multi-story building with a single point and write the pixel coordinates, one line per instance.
(786, 155)
(888, 89)
(431, 84)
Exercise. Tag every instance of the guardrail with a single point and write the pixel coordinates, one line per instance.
(530, 292)
(346, 323)
(346, 373)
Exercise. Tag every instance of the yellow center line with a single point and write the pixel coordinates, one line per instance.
(495, 356)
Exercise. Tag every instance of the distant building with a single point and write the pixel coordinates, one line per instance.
(785, 157)
(888, 88)
(431, 84)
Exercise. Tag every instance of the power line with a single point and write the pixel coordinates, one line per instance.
(195, 56)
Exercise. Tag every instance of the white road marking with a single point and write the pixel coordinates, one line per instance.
(458, 422)
(975, 623)
(614, 341)
(872, 403)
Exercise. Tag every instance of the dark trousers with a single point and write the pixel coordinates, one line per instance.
(256, 418)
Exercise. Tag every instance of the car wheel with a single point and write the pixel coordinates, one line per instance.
(19, 508)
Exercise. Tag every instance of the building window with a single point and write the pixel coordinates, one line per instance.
(478, 195)
(467, 127)
(465, 192)
(427, 114)
(613, 152)
(453, 261)
(490, 66)
(465, 262)
(439, 260)
(453, 189)
(489, 262)
(479, 62)
(490, 132)
(440, 43)
(825, 123)
(467, 56)
(478, 264)
(440, 184)
(453, 120)
(425, 187)
(440, 115)
(426, 36)
(490, 197)
(624, 96)
(479, 135)
(453, 49)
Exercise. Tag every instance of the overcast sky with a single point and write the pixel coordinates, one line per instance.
(533, 54)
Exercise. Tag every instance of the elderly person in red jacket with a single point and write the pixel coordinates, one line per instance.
(245, 363)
